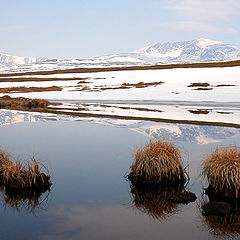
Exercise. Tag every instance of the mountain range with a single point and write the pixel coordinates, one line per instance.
(199, 50)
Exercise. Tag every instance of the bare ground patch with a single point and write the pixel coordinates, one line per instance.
(29, 89)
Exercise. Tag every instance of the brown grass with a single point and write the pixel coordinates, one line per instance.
(222, 169)
(28, 174)
(21, 103)
(225, 85)
(198, 84)
(199, 111)
(32, 79)
(158, 161)
(29, 89)
(203, 89)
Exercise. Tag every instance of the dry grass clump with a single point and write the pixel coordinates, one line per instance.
(158, 161)
(15, 174)
(21, 103)
(222, 169)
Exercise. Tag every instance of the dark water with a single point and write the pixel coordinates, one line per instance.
(90, 199)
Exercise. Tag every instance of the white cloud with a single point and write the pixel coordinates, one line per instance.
(197, 26)
(204, 9)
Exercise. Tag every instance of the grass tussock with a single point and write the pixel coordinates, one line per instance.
(158, 161)
(21, 103)
(222, 169)
(22, 175)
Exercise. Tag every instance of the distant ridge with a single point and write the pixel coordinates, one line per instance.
(199, 50)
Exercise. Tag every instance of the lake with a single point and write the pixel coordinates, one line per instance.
(90, 198)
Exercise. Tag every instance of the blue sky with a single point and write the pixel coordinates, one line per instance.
(88, 28)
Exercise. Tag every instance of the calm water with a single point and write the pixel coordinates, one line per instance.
(90, 199)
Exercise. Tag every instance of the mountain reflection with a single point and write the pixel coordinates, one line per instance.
(188, 133)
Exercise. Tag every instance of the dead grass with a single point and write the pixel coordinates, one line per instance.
(29, 89)
(158, 161)
(122, 86)
(222, 169)
(199, 111)
(226, 85)
(198, 84)
(28, 174)
(21, 103)
(32, 79)
(203, 89)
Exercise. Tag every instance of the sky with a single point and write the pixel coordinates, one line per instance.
(67, 29)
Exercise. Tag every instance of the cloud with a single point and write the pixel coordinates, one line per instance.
(205, 9)
(197, 26)
(12, 28)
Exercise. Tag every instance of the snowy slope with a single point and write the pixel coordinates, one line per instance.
(191, 51)
(7, 60)
(199, 50)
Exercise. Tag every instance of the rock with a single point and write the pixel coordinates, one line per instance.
(183, 197)
(217, 208)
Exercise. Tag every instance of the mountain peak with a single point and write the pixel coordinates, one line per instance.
(198, 50)
(203, 42)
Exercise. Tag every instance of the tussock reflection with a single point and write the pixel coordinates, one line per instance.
(221, 217)
(25, 201)
(154, 200)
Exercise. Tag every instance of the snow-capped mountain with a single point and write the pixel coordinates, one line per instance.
(198, 50)
(188, 133)
(7, 60)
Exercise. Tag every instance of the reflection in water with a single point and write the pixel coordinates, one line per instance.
(188, 133)
(174, 132)
(223, 226)
(154, 199)
(25, 200)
